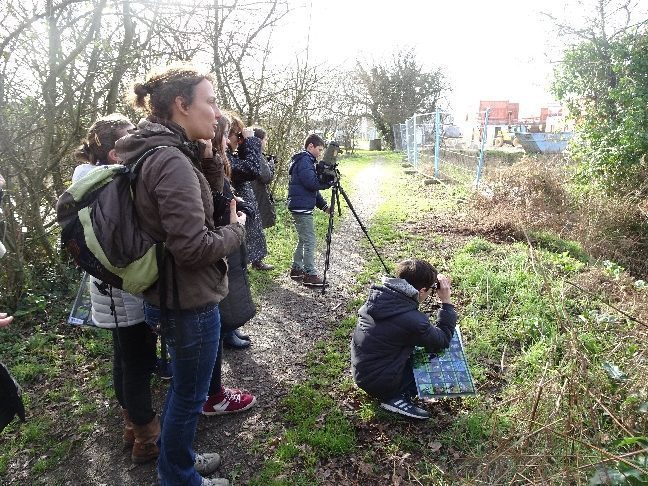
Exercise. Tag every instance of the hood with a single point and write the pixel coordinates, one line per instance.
(395, 296)
(297, 157)
(153, 132)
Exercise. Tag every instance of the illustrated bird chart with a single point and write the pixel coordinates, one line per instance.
(444, 374)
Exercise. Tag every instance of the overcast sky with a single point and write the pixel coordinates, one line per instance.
(490, 50)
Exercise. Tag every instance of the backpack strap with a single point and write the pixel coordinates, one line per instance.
(136, 166)
(162, 255)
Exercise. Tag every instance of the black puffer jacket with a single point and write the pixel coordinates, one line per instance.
(389, 327)
(237, 307)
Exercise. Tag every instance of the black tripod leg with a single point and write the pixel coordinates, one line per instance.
(335, 199)
(348, 201)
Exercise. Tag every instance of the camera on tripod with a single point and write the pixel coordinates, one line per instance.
(326, 168)
(328, 172)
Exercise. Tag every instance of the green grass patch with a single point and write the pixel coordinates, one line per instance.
(552, 242)
(76, 362)
(317, 421)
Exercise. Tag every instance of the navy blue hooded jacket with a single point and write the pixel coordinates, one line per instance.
(304, 185)
(389, 327)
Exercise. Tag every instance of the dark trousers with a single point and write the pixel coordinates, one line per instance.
(408, 384)
(215, 383)
(134, 362)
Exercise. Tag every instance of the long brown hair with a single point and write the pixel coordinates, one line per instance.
(101, 138)
(222, 129)
(158, 93)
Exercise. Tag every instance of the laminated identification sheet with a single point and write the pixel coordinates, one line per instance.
(80, 314)
(444, 374)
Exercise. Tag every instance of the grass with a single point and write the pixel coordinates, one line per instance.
(536, 348)
(560, 371)
(65, 370)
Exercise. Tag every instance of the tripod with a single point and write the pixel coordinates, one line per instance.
(336, 190)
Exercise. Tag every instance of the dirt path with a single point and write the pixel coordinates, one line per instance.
(291, 319)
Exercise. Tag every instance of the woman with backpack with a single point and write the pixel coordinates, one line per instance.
(261, 185)
(134, 343)
(174, 205)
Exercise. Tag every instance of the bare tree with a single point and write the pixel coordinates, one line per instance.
(63, 63)
(397, 89)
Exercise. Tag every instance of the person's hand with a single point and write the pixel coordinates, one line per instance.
(4, 319)
(247, 132)
(208, 152)
(328, 210)
(444, 290)
(236, 217)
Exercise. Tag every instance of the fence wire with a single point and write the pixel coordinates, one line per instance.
(436, 147)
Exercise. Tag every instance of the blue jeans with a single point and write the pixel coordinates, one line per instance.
(192, 344)
(304, 256)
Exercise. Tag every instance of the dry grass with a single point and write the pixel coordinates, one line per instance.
(539, 195)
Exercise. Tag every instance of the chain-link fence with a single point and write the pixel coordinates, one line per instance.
(436, 147)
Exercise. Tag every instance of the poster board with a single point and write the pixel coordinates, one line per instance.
(444, 374)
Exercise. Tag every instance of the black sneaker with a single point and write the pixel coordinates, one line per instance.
(232, 341)
(405, 407)
(163, 369)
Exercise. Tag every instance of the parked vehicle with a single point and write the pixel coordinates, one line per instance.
(506, 136)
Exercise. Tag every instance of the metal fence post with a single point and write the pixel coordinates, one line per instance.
(437, 141)
(481, 150)
(415, 143)
(409, 160)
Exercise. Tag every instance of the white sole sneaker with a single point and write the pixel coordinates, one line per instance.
(404, 408)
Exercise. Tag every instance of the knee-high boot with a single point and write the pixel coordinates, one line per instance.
(145, 448)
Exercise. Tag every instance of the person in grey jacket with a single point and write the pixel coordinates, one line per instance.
(134, 344)
(390, 326)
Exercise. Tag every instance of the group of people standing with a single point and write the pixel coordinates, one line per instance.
(203, 191)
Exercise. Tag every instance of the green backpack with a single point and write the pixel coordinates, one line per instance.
(100, 229)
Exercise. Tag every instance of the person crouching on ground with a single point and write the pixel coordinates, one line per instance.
(303, 196)
(390, 326)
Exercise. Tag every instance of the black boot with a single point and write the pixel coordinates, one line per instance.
(231, 340)
(240, 335)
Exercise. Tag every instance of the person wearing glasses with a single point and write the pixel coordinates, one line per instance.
(390, 325)
(244, 154)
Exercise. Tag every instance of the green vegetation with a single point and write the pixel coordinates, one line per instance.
(602, 81)
(538, 346)
(552, 336)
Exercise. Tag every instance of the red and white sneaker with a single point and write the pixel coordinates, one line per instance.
(228, 400)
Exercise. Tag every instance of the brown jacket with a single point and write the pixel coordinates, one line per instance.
(174, 205)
